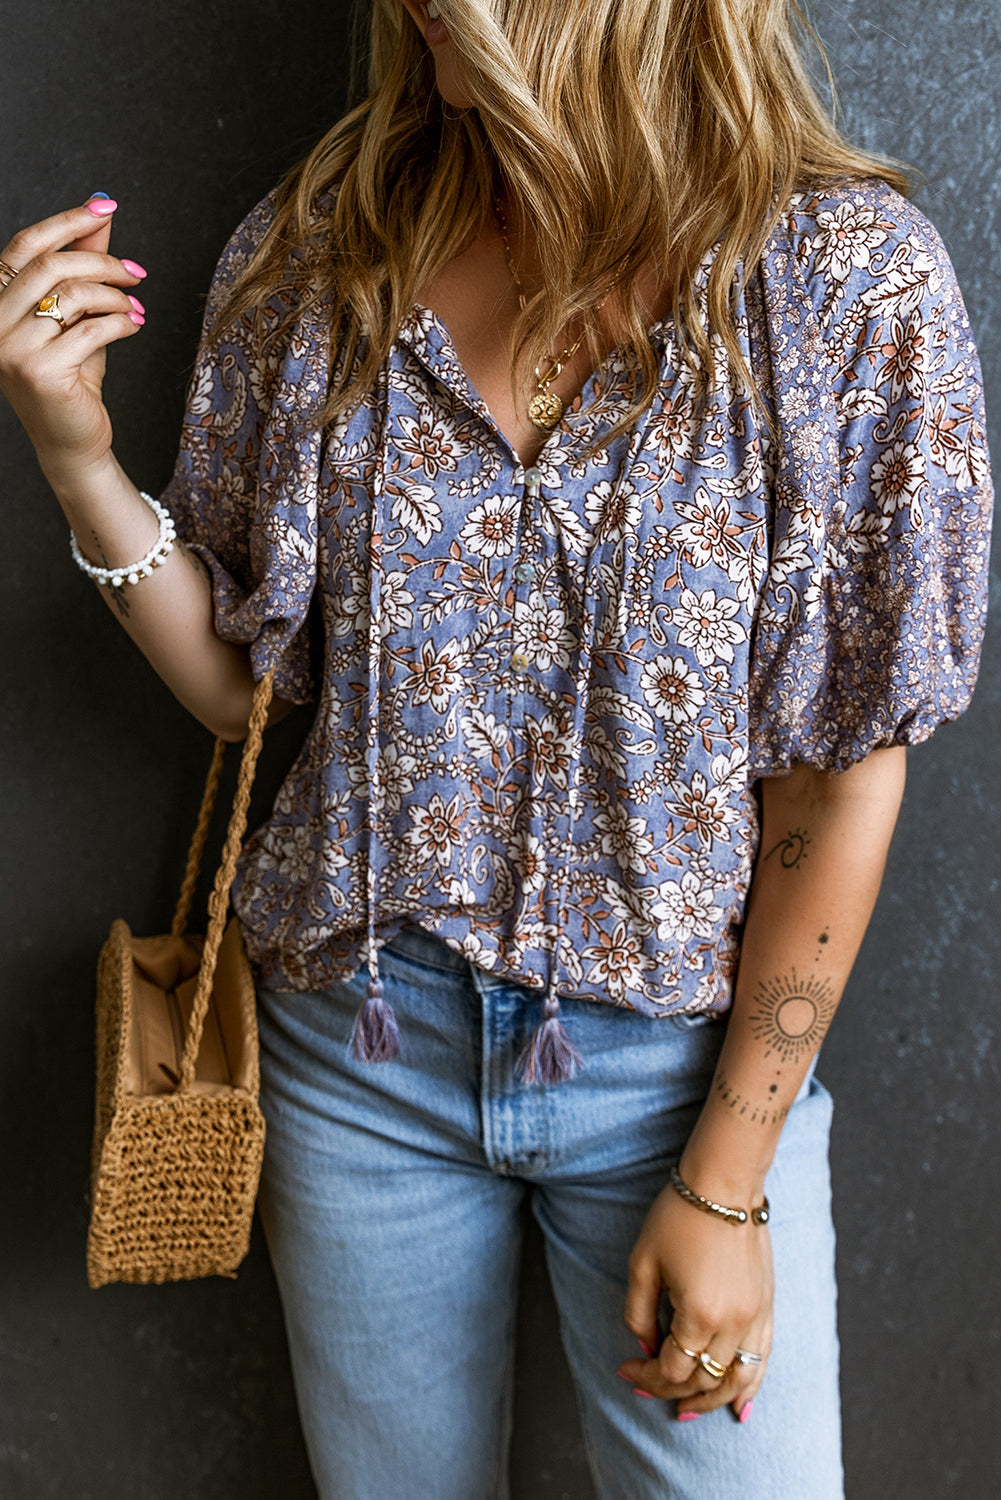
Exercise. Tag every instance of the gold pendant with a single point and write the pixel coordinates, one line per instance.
(545, 410)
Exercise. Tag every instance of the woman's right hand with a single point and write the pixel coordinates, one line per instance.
(51, 374)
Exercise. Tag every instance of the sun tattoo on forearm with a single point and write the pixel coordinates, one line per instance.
(791, 1015)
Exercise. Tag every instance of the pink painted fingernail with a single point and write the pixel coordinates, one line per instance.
(622, 1376)
(645, 1347)
(133, 269)
(648, 1394)
(136, 303)
(101, 207)
(745, 1411)
(688, 1416)
(137, 319)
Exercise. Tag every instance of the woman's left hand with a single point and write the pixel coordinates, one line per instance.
(720, 1282)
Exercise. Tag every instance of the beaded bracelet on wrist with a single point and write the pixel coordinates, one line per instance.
(132, 572)
(759, 1215)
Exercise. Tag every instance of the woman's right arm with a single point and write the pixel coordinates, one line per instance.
(52, 378)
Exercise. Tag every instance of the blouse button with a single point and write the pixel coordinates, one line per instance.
(519, 662)
(524, 572)
(533, 478)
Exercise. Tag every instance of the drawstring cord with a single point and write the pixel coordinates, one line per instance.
(376, 1033)
(550, 1056)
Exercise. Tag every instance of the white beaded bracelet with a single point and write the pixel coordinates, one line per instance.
(132, 572)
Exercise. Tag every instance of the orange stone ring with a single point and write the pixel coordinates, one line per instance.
(49, 308)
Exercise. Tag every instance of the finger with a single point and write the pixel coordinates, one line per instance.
(674, 1373)
(54, 233)
(643, 1301)
(77, 344)
(77, 299)
(99, 237)
(759, 1343)
(58, 268)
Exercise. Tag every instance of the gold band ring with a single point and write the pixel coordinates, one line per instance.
(691, 1353)
(7, 273)
(712, 1366)
(49, 308)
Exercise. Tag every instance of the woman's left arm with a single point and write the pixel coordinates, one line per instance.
(823, 847)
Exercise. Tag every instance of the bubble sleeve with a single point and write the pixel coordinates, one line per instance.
(871, 619)
(244, 489)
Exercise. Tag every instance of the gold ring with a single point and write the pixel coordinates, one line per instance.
(692, 1353)
(7, 273)
(49, 308)
(712, 1366)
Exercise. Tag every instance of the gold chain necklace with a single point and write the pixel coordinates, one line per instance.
(545, 409)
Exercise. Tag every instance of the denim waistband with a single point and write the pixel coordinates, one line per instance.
(427, 948)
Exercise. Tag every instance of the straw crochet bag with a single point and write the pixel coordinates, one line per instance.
(178, 1133)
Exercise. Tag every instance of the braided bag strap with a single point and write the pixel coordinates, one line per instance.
(179, 925)
(218, 903)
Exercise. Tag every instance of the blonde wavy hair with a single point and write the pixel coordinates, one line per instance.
(628, 131)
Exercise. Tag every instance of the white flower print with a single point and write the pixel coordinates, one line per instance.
(711, 810)
(847, 238)
(707, 624)
(529, 859)
(550, 749)
(395, 600)
(704, 536)
(673, 689)
(617, 961)
(397, 771)
(625, 838)
(905, 352)
(437, 675)
(437, 828)
(492, 527)
(612, 509)
(898, 476)
(540, 629)
(686, 910)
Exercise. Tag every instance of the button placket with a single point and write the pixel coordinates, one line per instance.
(525, 571)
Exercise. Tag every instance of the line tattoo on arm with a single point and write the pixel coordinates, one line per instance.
(118, 594)
(757, 1114)
(791, 850)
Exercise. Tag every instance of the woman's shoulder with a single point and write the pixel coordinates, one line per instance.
(857, 251)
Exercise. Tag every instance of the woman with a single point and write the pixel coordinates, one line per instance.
(598, 439)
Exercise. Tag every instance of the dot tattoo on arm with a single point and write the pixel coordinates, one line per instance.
(755, 1114)
(791, 850)
(791, 1015)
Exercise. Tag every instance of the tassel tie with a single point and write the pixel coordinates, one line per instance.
(375, 1036)
(551, 1056)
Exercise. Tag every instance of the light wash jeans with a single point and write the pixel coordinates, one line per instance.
(390, 1199)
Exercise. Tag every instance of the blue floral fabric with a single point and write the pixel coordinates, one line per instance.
(543, 697)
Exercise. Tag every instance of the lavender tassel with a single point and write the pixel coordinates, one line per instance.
(376, 1033)
(550, 1056)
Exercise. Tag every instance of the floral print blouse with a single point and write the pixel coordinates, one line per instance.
(543, 695)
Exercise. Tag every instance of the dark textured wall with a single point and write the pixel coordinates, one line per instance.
(187, 114)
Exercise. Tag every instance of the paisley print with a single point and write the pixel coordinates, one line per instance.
(543, 697)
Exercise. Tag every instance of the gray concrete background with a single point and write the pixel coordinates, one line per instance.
(187, 115)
